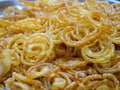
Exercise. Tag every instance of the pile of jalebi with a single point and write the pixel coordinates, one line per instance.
(60, 45)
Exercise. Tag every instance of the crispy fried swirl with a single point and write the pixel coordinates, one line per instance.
(60, 45)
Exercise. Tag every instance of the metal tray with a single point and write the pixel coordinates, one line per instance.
(6, 3)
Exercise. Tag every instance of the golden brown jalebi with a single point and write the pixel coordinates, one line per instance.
(60, 45)
(102, 56)
(37, 48)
